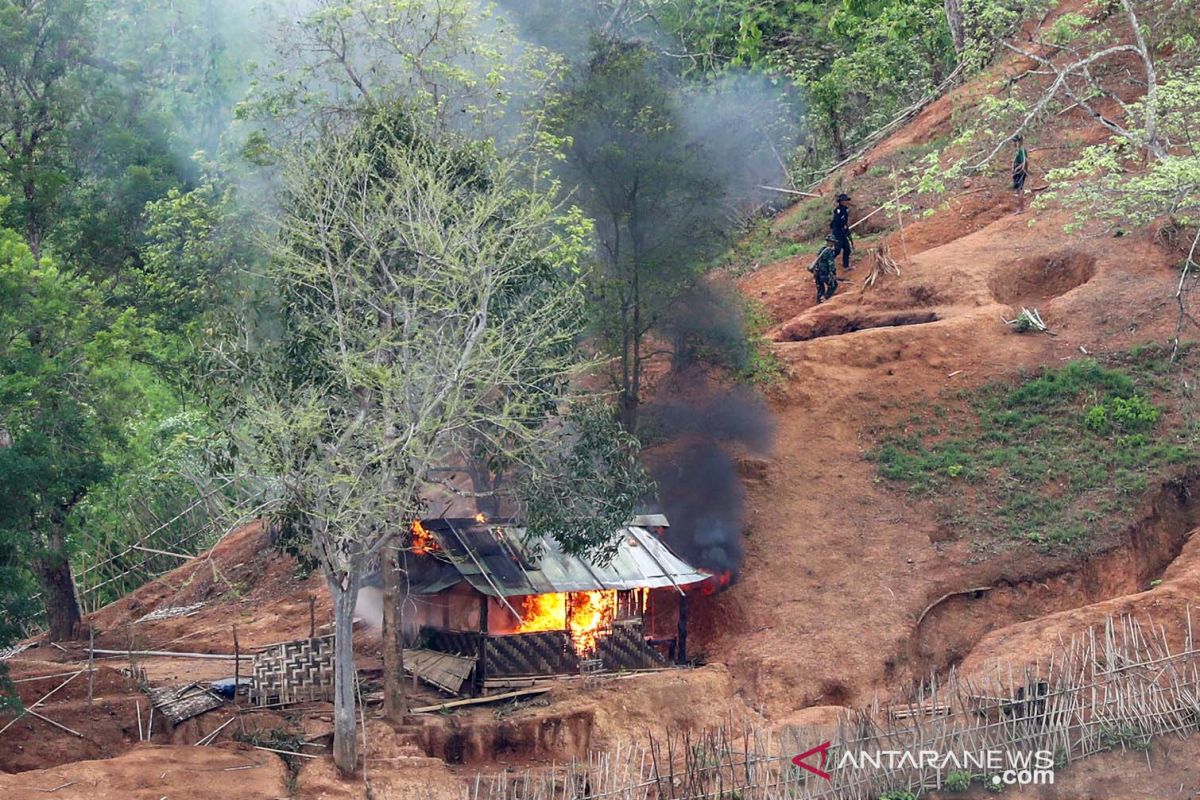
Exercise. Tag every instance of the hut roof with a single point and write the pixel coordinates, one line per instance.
(496, 560)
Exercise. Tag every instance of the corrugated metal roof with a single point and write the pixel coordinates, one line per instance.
(494, 560)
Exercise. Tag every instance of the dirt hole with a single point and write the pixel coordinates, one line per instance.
(838, 324)
(1037, 280)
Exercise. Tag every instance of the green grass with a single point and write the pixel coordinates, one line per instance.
(1054, 459)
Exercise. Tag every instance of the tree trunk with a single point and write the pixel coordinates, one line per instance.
(954, 16)
(58, 590)
(345, 745)
(395, 699)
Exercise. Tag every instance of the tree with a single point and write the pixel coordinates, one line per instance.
(657, 201)
(454, 64)
(390, 355)
(66, 388)
(40, 45)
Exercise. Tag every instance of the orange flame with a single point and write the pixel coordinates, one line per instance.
(584, 615)
(481, 518)
(543, 612)
(423, 542)
(591, 615)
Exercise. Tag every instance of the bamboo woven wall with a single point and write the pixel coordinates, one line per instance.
(294, 672)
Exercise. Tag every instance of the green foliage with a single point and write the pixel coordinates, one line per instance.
(449, 61)
(68, 388)
(958, 780)
(590, 488)
(1047, 461)
(1124, 736)
(650, 186)
(993, 784)
(1128, 415)
(761, 367)
(195, 242)
(897, 794)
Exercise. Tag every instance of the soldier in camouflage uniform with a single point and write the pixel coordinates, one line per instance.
(824, 269)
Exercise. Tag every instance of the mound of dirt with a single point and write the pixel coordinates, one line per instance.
(1034, 281)
(243, 580)
(152, 772)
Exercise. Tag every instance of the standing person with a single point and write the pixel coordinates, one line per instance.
(824, 269)
(1020, 170)
(839, 229)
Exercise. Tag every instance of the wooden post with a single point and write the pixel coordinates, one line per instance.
(481, 653)
(681, 634)
(312, 617)
(133, 671)
(395, 590)
(237, 664)
(91, 662)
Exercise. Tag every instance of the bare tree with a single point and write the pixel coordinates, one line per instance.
(1075, 79)
(425, 297)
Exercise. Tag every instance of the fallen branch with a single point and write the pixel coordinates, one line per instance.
(1028, 320)
(56, 788)
(284, 752)
(44, 718)
(946, 597)
(44, 698)
(205, 741)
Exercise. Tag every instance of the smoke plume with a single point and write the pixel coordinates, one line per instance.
(703, 429)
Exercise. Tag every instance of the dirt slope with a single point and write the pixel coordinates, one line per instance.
(839, 566)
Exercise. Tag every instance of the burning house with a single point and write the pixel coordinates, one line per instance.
(519, 609)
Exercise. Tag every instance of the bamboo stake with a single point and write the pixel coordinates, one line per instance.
(43, 699)
(44, 718)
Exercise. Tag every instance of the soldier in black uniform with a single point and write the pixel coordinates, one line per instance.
(839, 229)
(824, 270)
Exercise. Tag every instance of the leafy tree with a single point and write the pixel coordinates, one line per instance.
(450, 60)
(66, 387)
(392, 355)
(40, 47)
(657, 202)
(593, 478)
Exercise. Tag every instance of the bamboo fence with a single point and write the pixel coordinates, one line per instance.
(1117, 686)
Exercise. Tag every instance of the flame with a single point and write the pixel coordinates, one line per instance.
(481, 518)
(423, 542)
(591, 615)
(543, 612)
(584, 615)
(716, 583)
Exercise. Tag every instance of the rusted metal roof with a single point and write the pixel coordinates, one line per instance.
(495, 560)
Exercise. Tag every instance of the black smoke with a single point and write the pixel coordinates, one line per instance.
(700, 431)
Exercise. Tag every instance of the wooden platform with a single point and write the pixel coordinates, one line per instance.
(443, 670)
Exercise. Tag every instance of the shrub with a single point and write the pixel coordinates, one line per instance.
(1096, 419)
(897, 794)
(1134, 413)
(958, 780)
